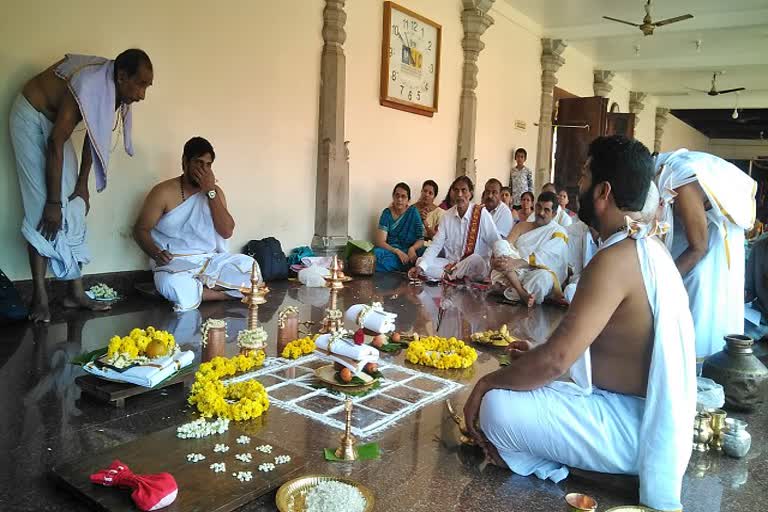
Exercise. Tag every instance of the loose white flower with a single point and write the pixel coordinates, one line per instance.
(201, 428)
(218, 467)
(243, 476)
(243, 440)
(195, 457)
(221, 448)
(264, 448)
(266, 467)
(282, 459)
(244, 457)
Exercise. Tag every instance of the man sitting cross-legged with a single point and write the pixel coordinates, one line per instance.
(467, 234)
(627, 344)
(533, 262)
(183, 228)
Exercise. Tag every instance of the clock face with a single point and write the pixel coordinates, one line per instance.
(412, 60)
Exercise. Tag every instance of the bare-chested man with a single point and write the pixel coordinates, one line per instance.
(56, 198)
(183, 227)
(533, 262)
(626, 343)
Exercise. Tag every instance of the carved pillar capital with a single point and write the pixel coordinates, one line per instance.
(475, 21)
(601, 83)
(637, 104)
(661, 120)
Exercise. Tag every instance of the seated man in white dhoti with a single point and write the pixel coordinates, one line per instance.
(466, 235)
(627, 344)
(99, 92)
(183, 227)
(709, 203)
(532, 263)
(561, 215)
(500, 212)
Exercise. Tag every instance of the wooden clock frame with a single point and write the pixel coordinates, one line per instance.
(397, 103)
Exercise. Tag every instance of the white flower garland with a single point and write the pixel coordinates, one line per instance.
(212, 323)
(253, 339)
(334, 314)
(201, 428)
(367, 310)
(284, 313)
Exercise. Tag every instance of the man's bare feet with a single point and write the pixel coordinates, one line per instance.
(83, 302)
(39, 311)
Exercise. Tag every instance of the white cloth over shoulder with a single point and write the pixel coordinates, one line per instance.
(29, 131)
(376, 320)
(574, 424)
(188, 233)
(716, 284)
(147, 375)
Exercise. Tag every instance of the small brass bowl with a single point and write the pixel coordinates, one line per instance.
(578, 502)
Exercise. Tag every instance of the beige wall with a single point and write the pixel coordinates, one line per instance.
(245, 77)
(678, 135)
(738, 149)
(645, 129)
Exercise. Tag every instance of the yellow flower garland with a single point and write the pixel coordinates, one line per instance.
(441, 353)
(211, 395)
(135, 344)
(300, 347)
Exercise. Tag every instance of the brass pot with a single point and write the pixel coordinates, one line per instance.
(742, 375)
(702, 432)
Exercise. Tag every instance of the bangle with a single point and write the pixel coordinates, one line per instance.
(57, 203)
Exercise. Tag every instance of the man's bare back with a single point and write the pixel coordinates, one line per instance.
(46, 92)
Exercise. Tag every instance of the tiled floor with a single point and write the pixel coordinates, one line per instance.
(45, 420)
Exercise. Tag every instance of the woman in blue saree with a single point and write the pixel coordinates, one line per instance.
(400, 235)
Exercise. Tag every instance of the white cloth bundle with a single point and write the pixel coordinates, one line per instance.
(313, 276)
(148, 375)
(345, 347)
(375, 320)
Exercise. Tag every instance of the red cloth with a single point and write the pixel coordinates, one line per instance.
(150, 492)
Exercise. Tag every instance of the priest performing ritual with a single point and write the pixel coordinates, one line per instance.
(708, 203)
(467, 234)
(532, 263)
(183, 227)
(627, 343)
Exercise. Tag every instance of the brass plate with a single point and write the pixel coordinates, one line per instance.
(327, 375)
(293, 488)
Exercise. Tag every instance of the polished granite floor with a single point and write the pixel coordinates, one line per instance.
(46, 421)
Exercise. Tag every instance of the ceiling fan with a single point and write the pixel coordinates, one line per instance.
(648, 25)
(713, 90)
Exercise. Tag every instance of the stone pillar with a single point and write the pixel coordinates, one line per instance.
(661, 120)
(551, 61)
(602, 82)
(475, 20)
(332, 191)
(636, 104)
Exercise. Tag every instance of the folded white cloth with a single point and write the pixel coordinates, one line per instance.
(375, 320)
(148, 375)
(313, 276)
(345, 347)
(320, 261)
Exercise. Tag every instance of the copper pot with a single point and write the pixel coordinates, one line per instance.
(287, 332)
(216, 343)
(743, 377)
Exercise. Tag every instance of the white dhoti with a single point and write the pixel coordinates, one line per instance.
(716, 284)
(200, 256)
(473, 267)
(29, 131)
(542, 432)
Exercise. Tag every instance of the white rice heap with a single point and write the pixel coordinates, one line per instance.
(282, 459)
(243, 440)
(218, 467)
(333, 496)
(266, 467)
(244, 457)
(195, 457)
(220, 448)
(243, 476)
(264, 448)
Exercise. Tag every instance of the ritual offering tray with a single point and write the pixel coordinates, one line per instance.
(295, 496)
(500, 338)
(332, 376)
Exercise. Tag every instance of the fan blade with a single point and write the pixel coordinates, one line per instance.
(673, 20)
(621, 21)
(697, 90)
(726, 91)
(670, 93)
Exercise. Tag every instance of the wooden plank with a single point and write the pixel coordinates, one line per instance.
(116, 392)
(200, 489)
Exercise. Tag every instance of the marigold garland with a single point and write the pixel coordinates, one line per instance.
(299, 347)
(441, 353)
(133, 348)
(212, 397)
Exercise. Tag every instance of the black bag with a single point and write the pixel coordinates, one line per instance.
(11, 307)
(269, 254)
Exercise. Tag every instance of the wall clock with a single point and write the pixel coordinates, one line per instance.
(410, 61)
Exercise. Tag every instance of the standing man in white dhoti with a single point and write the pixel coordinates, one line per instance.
(94, 90)
(532, 263)
(709, 203)
(183, 227)
(467, 234)
(627, 343)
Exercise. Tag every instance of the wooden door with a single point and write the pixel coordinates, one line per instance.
(571, 144)
(620, 124)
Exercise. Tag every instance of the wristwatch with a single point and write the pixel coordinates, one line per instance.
(212, 194)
